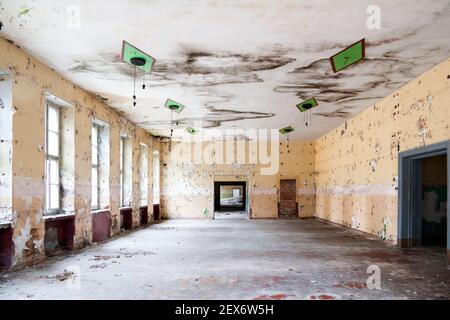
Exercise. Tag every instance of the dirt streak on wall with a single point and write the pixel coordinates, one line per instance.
(31, 81)
(187, 189)
(357, 164)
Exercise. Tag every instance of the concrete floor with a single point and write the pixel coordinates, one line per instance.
(226, 215)
(235, 259)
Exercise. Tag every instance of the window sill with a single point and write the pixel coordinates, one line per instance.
(5, 225)
(59, 216)
(97, 211)
(125, 208)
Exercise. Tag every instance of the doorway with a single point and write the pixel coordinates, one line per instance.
(287, 206)
(433, 204)
(423, 197)
(230, 200)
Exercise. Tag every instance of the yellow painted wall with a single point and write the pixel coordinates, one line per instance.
(348, 176)
(31, 81)
(187, 189)
(357, 163)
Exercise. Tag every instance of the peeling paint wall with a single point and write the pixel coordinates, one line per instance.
(187, 189)
(5, 147)
(298, 162)
(357, 163)
(31, 81)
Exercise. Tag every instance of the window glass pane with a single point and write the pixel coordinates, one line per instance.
(53, 144)
(94, 177)
(53, 119)
(94, 135)
(94, 201)
(121, 154)
(53, 172)
(122, 143)
(121, 188)
(47, 195)
(94, 155)
(54, 196)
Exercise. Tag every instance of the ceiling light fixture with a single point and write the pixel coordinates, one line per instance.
(191, 130)
(305, 107)
(139, 60)
(176, 107)
(349, 56)
(286, 131)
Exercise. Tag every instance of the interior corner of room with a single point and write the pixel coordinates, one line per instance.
(130, 141)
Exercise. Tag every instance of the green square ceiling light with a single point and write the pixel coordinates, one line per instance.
(286, 130)
(307, 105)
(349, 56)
(191, 130)
(139, 60)
(174, 106)
(137, 57)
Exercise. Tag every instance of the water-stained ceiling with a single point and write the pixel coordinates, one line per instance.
(234, 64)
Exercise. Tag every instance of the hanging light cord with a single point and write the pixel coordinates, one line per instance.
(171, 124)
(171, 130)
(143, 80)
(134, 86)
(287, 143)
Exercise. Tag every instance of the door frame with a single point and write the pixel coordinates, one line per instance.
(409, 198)
(281, 178)
(217, 185)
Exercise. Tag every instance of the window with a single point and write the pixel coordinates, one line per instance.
(100, 164)
(95, 136)
(143, 175)
(5, 147)
(126, 171)
(59, 156)
(53, 202)
(156, 177)
(122, 160)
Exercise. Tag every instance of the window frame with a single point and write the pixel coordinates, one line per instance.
(49, 157)
(143, 202)
(96, 166)
(156, 177)
(122, 171)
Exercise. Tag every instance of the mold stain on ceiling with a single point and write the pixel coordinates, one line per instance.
(234, 64)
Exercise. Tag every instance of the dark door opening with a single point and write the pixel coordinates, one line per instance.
(423, 197)
(433, 201)
(287, 207)
(230, 196)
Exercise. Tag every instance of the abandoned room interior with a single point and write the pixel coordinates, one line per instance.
(247, 150)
